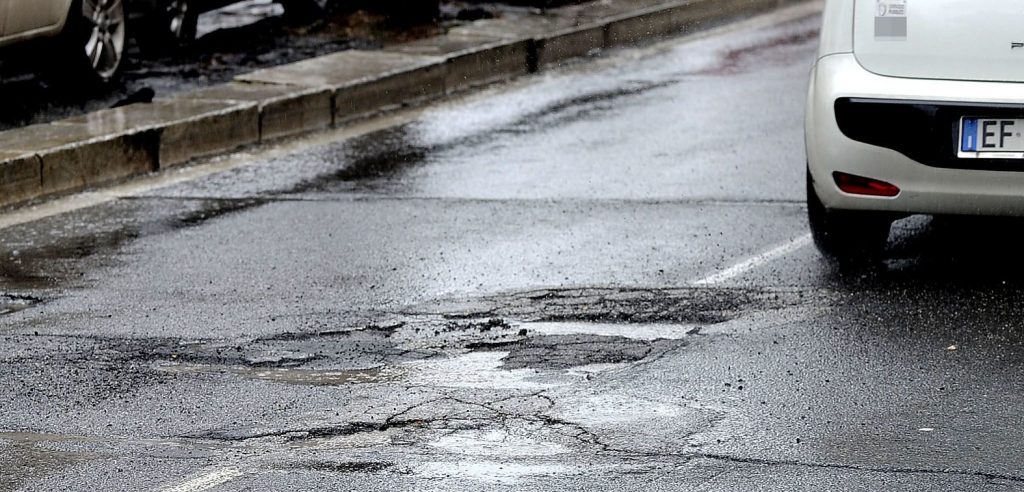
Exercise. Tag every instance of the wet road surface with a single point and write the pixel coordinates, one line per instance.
(597, 278)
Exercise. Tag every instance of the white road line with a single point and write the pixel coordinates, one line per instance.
(207, 481)
(754, 262)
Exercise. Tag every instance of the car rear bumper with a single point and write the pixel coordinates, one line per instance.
(904, 132)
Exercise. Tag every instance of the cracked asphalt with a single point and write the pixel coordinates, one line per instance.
(597, 278)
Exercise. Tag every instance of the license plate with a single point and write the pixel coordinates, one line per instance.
(991, 138)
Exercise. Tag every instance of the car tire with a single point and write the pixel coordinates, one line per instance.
(93, 44)
(170, 27)
(846, 237)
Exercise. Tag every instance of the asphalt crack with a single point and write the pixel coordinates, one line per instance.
(397, 420)
(901, 470)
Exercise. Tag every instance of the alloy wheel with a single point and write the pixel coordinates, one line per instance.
(104, 47)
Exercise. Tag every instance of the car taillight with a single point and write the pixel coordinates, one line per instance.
(859, 185)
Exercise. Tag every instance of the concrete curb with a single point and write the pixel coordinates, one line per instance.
(473, 59)
(283, 110)
(21, 176)
(565, 44)
(109, 145)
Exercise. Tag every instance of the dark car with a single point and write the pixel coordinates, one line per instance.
(173, 22)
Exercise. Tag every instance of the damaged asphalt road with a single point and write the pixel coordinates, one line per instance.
(540, 286)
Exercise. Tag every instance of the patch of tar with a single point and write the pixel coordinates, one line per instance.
(306, 377)
(58, 249)
(12, 303)
(23, 461)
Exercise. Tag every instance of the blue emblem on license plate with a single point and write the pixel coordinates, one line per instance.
(969, 135)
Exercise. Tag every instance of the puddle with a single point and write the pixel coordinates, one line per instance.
(632, 331)
(618, 409)
(543, 360)
(496, 443)
(492, 471)
(306, 377)
(481, 370)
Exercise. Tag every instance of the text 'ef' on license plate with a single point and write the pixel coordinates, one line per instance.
(991, 138)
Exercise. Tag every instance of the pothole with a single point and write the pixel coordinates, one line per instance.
(534, 340)
(477, 370)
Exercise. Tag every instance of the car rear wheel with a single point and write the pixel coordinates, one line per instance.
(844, 236)
(93, 43)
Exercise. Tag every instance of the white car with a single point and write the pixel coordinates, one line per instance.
(88, 36)
(914, 107)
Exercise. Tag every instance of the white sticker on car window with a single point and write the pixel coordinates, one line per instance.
(891, 19)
